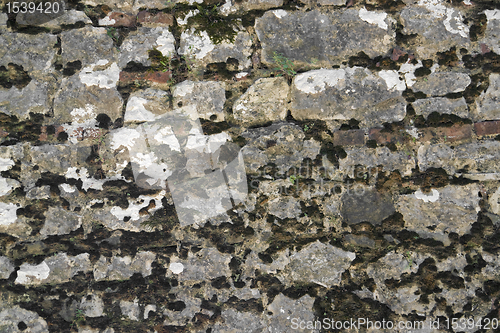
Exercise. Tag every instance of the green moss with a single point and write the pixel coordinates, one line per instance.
(218, 28)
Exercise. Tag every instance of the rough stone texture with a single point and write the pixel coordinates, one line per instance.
(445, 134)
(470, 159)
(59, 222)
(10, 317)
(342, 94)
(318, 263)
(57, 269)
(3, 21)
(121, 268)
(151, 20)
(441, 212)
(199, 48)
(96, 42)
(32, 52)
(284, 309)
(488, 103)
(491, 35)
(372, 158)
(281, 144)
(265, 101)
(232, 6)
(130, 309)
(79, 102)
(146, 105)
(92, 306)
(137, 44)
(349, 138)
(441, 105)
(206, 97)
(439, 28)
(21, 102)
(239, 321)
(6, 267)
(284, 207)
(442, 83)
(205, 264)
(70, 17)
(325, 39)
(364, 204)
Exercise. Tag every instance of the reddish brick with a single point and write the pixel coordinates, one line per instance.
(43, 135)
(121, 20)
(487, 128)
(446, 134)
(127, 78)
(349, 138)
(159, 19)
(383, 138)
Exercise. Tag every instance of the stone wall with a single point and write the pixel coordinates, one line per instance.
(250, 166)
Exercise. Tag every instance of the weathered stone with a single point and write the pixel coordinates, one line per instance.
(57, 159)
(471, 159)
(32, 52)
(206, 97)
(206, 264)
(439, 28)
(372, 158)
(445, 134)
(123, 5)
(157, 78)
(202, 51)
(349, 138)
(58, 221)
(92, 306)
(342, 94)
(56, 269)
(130, 310)
(11, 317)
(178, 318)
(281, 143)
(42, 192)
(122, 268)
(96, 42)
(117, 19)
(239, 322)
(392, 266)
(285, 207)
(69, 17)
(83, 97)
(488, 103)
(451, 209)
(146, 105)
(487, 128)
(232, 6)
(138, 43)
(457, 107)
(21, 102)
(283, 309)
(323, 39)
(6, 268)
(318, 263)
(442, 83)
(265, 101)
(383, 137)
(491, 34)
(365, 204)
(148, 19)
(3, 21)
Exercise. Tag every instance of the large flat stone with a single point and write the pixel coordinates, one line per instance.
(492, 33)
(34, 98)
(58, 221)
(207, 97)
(146, 105)
(441, 105)
(442, 83)
(342, 94)
(440, 212)
(323, 38)
(365, 204)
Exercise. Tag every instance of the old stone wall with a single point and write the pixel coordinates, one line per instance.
(250, 166)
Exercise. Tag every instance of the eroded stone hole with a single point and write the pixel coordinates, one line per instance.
(13, 75)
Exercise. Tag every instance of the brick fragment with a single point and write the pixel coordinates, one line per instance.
(446, 134)
(349, 138)
(487, 128)
(159, 19)
(117, 19)
(383, 138)
(127, 78)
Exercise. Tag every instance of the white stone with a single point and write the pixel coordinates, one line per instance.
(427, 197)
(135, 110)
(8, 213)
(6, 164)
(124, 137)
(135, 206)
(106, 78)
(176, 267)
(166, 43)
(392, 80)
(373, 18)
(280, 13)
(492, 14)
(315, 81)
(27, 273)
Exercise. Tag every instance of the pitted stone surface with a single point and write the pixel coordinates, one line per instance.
(441, 105)
(96, 42)
(207, 98)
(58, 221)
(33, 98)
(318, 263)
(121, 268)
(342, 94)
(488, 103)
(325, 39)
(6, 267)
(365, 204)
(442, 83)
(265, 101)
(205, 264)
(10, 317)
(33, 52)
(452, 209)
